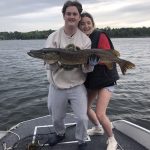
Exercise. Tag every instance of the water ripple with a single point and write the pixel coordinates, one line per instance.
(24, 86)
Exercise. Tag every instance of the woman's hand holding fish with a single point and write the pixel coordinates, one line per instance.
(93, 60)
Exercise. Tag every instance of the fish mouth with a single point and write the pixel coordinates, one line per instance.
(30, 54)
(34, 54)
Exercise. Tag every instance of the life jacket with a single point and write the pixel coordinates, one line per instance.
(101, 75)
(95, 37)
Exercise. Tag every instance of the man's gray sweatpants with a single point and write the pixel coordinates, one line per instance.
(57, 105)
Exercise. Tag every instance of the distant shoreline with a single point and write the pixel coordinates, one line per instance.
(45, 39)
(140, 32)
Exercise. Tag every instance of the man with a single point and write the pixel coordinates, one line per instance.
(68, 84)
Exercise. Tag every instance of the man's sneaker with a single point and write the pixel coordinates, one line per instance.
(82, 146)
(55, 139)
(112, 143)
(95, 131)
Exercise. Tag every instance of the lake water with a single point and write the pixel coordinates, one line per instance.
(24, 86)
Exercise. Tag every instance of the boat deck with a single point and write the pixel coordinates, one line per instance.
(40, 129)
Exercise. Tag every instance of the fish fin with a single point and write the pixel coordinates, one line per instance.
(124, 65)
(109, 65)
(72, 47)
(116, 53)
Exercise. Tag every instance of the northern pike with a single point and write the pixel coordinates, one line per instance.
(73, 56)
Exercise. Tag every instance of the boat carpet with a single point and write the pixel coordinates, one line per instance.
(38, 131)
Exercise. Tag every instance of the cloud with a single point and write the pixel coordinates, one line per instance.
(30, 15)
(15, 7)
(127, 13)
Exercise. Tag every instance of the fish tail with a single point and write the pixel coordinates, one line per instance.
(124, 65)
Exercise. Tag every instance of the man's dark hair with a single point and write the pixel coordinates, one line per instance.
(72, 3)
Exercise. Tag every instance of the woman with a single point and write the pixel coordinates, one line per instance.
(100, 82)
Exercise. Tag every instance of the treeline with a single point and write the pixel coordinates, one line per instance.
(25, 36)
(127, 32)
(113, 33)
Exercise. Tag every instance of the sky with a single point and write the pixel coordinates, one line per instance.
(32, 15)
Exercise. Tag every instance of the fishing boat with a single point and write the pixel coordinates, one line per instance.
(34, 134)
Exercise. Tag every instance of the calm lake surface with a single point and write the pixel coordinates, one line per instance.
(24, 86)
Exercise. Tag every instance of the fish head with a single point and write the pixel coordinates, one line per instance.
(47, 56)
